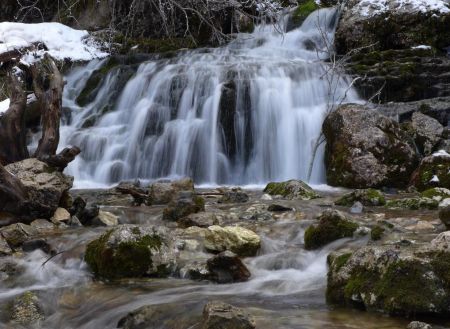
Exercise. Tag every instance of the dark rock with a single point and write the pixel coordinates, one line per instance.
(226, 267)
(275, 207)
(292, 189)
(333, 225)
(218, 315)
(32, 245)
(366, 149)
(202, 219)
(186, 203)
(236, 195)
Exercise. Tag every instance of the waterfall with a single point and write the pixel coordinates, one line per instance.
(246, 113)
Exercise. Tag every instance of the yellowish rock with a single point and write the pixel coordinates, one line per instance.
(239, 240)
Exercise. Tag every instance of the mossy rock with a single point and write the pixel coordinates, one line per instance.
(436, 193)
(292, 189)
(391, 281)
(413, 203)
(377, 232)
(187, 203)
(303, 11)
(128, 251)
(368, 197)
(332, 226)
(434, 171)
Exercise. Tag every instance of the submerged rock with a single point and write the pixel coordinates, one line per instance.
(239, 240)
(186, 203)
(26, 310)
(292, 189)
(394, 280)
(226, 267)
(368, 197)
(434, 171)
(333, 225)
(218, 315)
(366, 149)
(131, 251)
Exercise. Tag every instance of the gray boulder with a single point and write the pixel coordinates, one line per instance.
(161, 193)
(292, 189)
(218, 315)
(427, 132)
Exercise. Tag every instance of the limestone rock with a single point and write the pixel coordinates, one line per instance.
(434, 171)
(365, 149)
(368, 197)
(17, 234)
(26, 309)
(427, 132)
(201, 219)
(218, 315)
(418, 325)
(105, 218)
(226, 267)
(5, 249)
(442, 242)
(413, 203)
(239, 240)
(185, 204)
(292, 189)
(161, 193)
(333, 225)
(61, 215)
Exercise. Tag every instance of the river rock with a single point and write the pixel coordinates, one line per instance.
(444, 216)
(394, 280)
(226, 267)
(368, 197)
(418, 325)
(26, 310)
(239, 240)
(236, 195)
(42, 225)
(357, 208)
(201, 219)
(413, 203)
(436, 193)
(434, 171)
(32, 245)
(161, 193)
(132, 251)
(366, 149)
(333, 225)
(17, 234)
(427, 132)
(5, 249)
(218, 315)
(442, 241)
(292, 189)
(105, 218)
(185, 204)
(45, 186)
(61, 215)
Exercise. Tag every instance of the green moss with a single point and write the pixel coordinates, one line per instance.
(413, 203)
(368, 197)
(435, 192)
(376, 232)
(128, 259)
(291, 189)
(341, 260)
(148, 45)
(328, 231)
(303, 11)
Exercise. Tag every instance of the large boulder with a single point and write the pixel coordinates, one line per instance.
(393, 280)
(45, 185)
(239, 240)
(434, 171)
(366, 149)
(218, 315)
(427, 132)
(132, 251)
(292, 189)
(333, 225)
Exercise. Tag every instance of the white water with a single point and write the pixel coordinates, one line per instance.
(169, 120)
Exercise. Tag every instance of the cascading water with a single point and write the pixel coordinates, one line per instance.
(246, 113)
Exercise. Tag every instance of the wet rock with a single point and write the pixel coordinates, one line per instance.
(426, 131)
(32, 245)
(131, 251)
(418, 325)
(357, 208)
(10, 270)
(395, 280)
(186, 203)
(368, 197)
(376, 233)
(444, 216)
(218, 315)
(413, 203)
(434, 171)
(5, 249)
(292, 189)
(436, 193)
(17, 234)
(366, 149)
(441, 242)
(202, 219)
(266, 197)
(239, 240)
(42, 225)
(61, 215)
(74, 222)
(236, 195)
(333, 225)
(45, 187)
(278, 208)
(226, 267)
(26, 310)
(105, 218)
(161, 193)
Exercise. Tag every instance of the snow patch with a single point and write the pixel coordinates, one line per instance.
(4, 105)
(61, 41)
(441, 153)
(434, 179)
(422, 47)
(370, 8)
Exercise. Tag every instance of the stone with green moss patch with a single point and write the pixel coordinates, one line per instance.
(292, 189)
(303, 11)
(434, 171)
(376, 232)
(413, 203)
(368, 197)
(333, 225)
(130, 251)
(437, 193)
